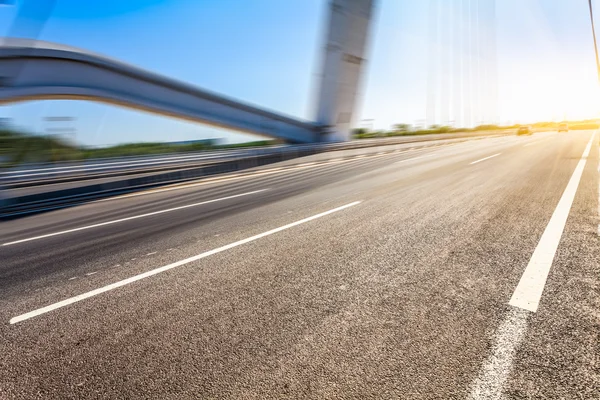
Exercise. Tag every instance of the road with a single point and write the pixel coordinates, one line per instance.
(293, 156)
(387, 275)
(109, 169)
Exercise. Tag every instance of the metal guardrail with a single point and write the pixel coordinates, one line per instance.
(27, 204)
(40, 174)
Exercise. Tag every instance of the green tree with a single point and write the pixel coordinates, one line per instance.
(402, 127)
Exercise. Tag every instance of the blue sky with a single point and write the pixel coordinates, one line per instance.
(265, 52)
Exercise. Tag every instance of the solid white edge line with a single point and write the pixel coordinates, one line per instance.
(485, 158)
(159, 270)
(131, 218)
(492, 377)
(529, 290)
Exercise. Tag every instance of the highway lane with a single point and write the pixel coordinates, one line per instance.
(144, 171)
(322, 168)
(53, 186)
(401, 295)
(87, 168)
(297, 180)
(334, 156)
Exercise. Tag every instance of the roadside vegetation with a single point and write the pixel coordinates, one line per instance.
(19, 147)
(409, 130)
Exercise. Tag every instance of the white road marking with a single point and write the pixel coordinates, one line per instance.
(431, 154)
(91, 273)
(485, 158)
(247, 175)
(536, 142)
(529, 290)
(415, 158)
(510, 334)
(466, 144)
(159, 270)
(131, 218)
(223, 179)
(427, 155)
(491, 379)
(154, 252)
(72, 278)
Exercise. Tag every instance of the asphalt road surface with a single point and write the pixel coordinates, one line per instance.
(98, 167)
(57, 186)
(466, 271)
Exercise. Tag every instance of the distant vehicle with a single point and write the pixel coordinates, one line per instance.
(524, 130)
(563, 128)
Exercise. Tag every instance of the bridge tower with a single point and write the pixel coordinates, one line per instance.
(342, 65)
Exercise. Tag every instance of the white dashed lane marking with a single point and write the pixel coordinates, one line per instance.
(132, 218)
(168, 267)
(485, 158)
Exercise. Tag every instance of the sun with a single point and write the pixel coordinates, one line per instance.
(552, 94)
